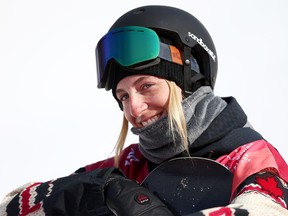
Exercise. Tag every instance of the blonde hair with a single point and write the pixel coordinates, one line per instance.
(176, 121)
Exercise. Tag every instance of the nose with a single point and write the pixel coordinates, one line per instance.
(137, 105)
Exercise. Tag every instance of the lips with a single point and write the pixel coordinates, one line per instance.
(149, 121)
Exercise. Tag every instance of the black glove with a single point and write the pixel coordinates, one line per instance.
(125, 197)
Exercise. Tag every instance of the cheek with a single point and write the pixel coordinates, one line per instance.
(161, 102)
(128, 117)
(162, 99)
(125, 111)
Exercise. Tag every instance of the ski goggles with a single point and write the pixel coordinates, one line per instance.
(131, 46)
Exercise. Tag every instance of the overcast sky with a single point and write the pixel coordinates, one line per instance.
(53, 119)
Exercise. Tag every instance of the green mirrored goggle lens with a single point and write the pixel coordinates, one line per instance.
(128, 45)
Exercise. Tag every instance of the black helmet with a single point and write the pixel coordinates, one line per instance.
(187, 33)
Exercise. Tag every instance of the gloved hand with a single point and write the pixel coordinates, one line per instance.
(125, 197)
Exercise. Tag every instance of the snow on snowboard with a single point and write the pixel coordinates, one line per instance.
(190, 184)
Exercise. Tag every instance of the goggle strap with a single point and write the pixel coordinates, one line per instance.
(172, 54)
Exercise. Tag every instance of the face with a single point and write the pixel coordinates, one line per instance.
(144, 98)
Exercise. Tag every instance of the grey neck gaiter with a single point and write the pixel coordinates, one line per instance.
(200, 109)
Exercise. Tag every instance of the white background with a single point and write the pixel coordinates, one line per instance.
(53, 119)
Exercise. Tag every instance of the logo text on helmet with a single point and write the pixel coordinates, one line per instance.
(199, 41)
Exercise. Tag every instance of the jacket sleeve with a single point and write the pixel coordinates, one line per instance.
(263, 193)
(77, 194)
(260, 183)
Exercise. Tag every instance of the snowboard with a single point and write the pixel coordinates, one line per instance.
(190, 184)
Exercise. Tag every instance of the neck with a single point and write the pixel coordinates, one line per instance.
(156, 141)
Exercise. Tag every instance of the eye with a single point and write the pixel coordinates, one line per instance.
(123, 97)
(147, 85)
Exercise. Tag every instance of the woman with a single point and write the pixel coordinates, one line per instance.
(161, 65)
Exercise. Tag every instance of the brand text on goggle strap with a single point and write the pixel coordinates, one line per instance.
(199, 41)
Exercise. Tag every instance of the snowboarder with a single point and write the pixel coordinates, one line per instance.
(161, 64)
